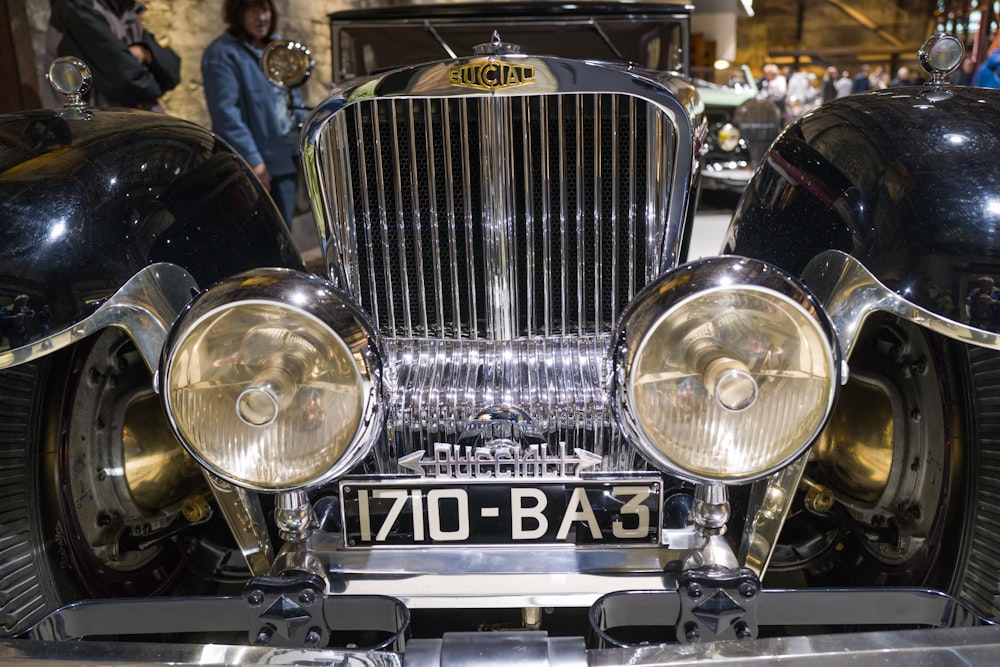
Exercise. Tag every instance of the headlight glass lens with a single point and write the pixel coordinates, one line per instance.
(730, 384)
(267, 395)
(729, 137)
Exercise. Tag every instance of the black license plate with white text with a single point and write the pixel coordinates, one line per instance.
(580, 512)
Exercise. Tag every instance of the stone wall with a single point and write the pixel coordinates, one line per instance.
(187, 26)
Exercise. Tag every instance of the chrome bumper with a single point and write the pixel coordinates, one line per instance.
(286, 622)
(731, 175)
(944, 646)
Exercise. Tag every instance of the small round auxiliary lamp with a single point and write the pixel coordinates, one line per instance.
(287, 64)
(71, 77)
(941, 55)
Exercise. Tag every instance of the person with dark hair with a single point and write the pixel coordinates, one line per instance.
(254, 116)
(14, 321)
(129, 67)
(982, 304)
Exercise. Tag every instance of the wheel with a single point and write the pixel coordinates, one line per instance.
(906, 455)
(92, 484)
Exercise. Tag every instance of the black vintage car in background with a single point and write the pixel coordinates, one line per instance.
(507, 422)
(653, 36)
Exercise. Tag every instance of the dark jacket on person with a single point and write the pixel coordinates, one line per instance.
(99, 32)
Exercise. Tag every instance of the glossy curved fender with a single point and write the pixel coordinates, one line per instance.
(907, 180)
(89, 198)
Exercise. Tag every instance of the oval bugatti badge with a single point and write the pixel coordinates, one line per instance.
(491, 75)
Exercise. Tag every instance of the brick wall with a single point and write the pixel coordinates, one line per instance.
(187, 26)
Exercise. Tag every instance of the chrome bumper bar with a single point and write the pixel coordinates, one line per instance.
(919, 648)
(288, 620)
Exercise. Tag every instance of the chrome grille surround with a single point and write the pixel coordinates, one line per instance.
(496, 236)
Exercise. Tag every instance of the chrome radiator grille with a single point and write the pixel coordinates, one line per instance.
(495, 240)
(494, 218)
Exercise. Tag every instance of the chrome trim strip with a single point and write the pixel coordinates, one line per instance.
(144, 307)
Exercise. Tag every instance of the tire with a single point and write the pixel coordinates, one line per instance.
(917, 505)
(74, 522)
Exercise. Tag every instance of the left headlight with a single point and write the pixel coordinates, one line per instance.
(272, 380)
(725, 370)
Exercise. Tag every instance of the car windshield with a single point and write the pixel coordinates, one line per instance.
(368, 43)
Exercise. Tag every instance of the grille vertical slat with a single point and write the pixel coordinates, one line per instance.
(396, 160)
(596, 210)
(579, 233)
(632, 204)
(547, 216)
(615, 270)
(562, 177)
(529, 218)
(439, 295)
(470, 255)
(368, 231)
(417, 212)
(451, 220)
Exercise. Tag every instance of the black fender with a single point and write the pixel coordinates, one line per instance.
(907, 180)
(89, 198)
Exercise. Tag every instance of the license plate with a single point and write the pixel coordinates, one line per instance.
(581, 512)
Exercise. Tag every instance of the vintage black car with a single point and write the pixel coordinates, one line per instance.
(653, 36)
(742, 123)
(507, 423)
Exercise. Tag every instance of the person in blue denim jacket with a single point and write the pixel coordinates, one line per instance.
(988, 73)
(251, 114)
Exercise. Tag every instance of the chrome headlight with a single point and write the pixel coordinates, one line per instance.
(725, 370)
(272, 380)
(729, 137)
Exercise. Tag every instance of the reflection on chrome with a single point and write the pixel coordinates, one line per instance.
(144, 308)
(850, 294)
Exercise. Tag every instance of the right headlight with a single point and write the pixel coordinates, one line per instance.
(272, 380)
(725, 370)
(728, 137)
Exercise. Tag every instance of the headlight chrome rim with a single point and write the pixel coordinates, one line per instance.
(668, 302)
(334, 326)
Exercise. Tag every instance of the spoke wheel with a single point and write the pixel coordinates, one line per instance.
(121, 475)
(901, 456)
(91, 483)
